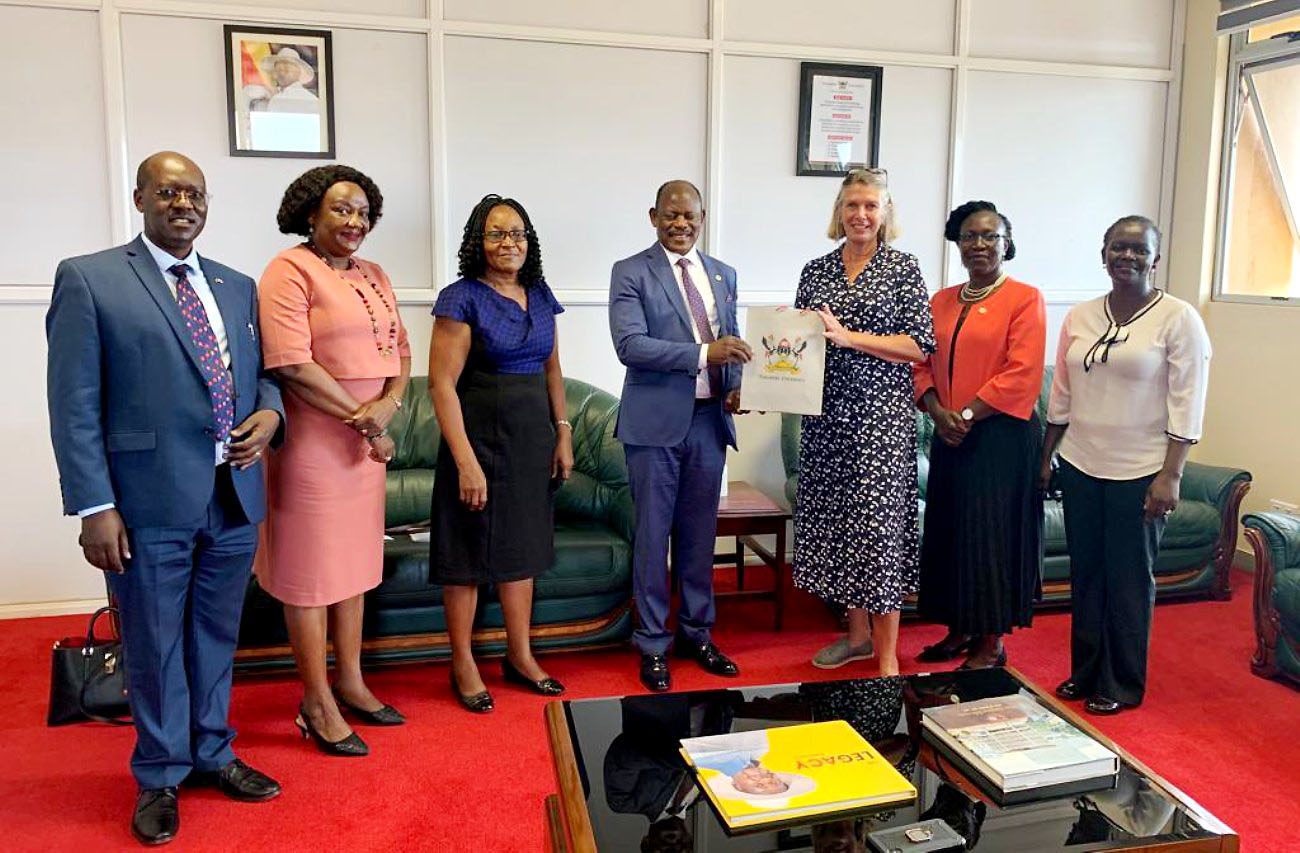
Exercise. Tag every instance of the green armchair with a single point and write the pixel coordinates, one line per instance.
(1200, 536)
(1275, 540)
(583, 600)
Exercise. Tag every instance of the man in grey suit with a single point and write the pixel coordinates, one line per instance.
(159, 414)
(672, 315)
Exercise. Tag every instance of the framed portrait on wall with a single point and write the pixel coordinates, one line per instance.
(279, 92)
(839, 118)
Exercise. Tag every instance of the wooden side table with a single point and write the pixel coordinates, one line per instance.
(745, 512)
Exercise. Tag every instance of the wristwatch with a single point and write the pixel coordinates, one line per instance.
(968, 414)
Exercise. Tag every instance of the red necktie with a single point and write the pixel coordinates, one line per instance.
(220, 386)
(696, 304)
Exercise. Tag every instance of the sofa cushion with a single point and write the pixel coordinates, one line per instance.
(590, 559)
(1194, 524)
(1286, 598)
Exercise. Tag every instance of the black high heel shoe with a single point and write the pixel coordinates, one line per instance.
(1000, 660)
(942, 651)
(545, 686)
(385, 716)
(479, 703)
(351, 746)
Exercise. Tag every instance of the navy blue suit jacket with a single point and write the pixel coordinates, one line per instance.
(652, 331)
(130, 412)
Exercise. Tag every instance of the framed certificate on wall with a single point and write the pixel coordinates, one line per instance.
(839, 118)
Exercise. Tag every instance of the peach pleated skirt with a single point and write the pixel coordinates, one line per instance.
(325, 526)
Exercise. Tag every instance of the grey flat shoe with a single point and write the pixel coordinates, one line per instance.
(840, 652)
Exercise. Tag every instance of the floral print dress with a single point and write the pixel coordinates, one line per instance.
(857, 540)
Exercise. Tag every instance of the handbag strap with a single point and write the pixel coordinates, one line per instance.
(90, 629)
(85, 680)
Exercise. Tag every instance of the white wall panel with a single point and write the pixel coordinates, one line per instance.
(661, 18)
(53, 163)
(582, 136)
(1063, 157)
(774, 221)
(925, 26)
(382, 130)
(404, 8)
(1122, 32)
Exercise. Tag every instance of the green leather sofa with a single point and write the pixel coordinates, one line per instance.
(584, 599)
(1275, 540)
(1200, 536)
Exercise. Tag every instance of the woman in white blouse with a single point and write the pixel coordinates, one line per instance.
(1127, 403)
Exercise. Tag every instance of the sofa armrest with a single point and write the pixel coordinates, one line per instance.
(622, 514)
(1280, 536)
(1275, 541)
(1212, 483)
(1224, 488)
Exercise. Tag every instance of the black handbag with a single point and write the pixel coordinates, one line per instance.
(88, 679)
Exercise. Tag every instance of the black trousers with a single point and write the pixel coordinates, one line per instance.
(1113, 590)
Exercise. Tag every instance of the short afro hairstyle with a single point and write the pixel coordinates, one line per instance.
(304, 195)
(1133, 219)
(959, 215)
(473, 259)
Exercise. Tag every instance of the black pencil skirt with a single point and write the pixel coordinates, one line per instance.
(982, 548)
(508, 421)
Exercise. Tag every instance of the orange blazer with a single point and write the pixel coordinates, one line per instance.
(997, 355)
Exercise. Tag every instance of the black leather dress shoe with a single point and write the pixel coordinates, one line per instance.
(1104, 705)
(157, 818)
(655, 674)
(706, 655)
(544, 686)
(1069, 689)
(240, 782)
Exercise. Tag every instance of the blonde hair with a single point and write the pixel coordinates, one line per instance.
(879, 179)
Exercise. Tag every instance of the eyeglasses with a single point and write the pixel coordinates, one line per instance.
(198, 198)
(866, 170)
(516, 236)
(972, 238)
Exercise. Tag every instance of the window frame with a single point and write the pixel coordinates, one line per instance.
(1243, 58)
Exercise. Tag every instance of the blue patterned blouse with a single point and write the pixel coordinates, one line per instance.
(512, 339)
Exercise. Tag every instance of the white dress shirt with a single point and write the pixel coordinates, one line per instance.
(199, 282)
(1121, 412)
(699, 278)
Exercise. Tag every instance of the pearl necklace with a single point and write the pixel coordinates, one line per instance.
(975, 294)
(384, 350)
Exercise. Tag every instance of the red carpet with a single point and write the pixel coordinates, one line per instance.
(450, 781)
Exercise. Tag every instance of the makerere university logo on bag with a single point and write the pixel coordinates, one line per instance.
(784, 355)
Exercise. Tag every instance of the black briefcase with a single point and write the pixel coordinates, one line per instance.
(88, 679)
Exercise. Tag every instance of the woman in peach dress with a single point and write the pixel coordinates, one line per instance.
(332, 334)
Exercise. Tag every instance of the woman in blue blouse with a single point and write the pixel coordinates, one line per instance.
(494, 375)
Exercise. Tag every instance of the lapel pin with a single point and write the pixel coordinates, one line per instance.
(717, 277)
(216, 281)
(983, 310)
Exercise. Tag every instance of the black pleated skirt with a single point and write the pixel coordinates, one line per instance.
(508, 421)
(982, 548)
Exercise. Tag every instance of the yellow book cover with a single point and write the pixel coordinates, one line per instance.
(791, 772)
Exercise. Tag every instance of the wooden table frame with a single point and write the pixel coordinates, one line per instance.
(570, 830)
(745, 513)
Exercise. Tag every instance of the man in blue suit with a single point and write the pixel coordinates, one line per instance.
(159, 413)
(672, 314)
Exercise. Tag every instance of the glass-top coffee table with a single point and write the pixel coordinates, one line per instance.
(624, 787)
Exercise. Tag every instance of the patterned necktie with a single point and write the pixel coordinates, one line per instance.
(696, 304)
(220, 386)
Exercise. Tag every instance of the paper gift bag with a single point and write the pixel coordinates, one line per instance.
(789, 363)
